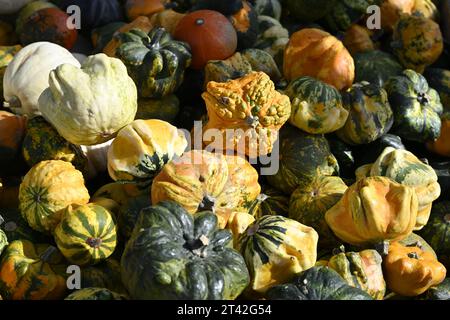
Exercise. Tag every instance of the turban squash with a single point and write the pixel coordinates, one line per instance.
(356, 218)
(251, 107)
(200, 180)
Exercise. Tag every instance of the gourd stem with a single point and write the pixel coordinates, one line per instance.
(47, 254)
(208, 204)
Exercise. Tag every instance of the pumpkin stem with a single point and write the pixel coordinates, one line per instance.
(155, 40)
(252, 121)
(423, 98)
(94, 242)
(208, 203)
(382, 248)
(47, 254)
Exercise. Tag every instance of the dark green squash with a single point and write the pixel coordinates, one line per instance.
(104, 275)
(370, 115)
(369, 153)
(439, 80)
(317, 283)
(376, 67)
(16, 228)
(154, 61)
(346, 12)
(437, 231)
(344, 155)
(95, 294)
(303, 156)
(417, 107)
(175, 255)
(270, 202)
(129, 213)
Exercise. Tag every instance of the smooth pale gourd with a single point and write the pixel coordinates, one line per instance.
(27, 75)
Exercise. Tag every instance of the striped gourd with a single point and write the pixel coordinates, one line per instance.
(310, 201)
(95, 294)
(270, 202)
(86, 234)
(275, 248)
(316, 106)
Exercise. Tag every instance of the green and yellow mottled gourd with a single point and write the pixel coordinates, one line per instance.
(270, 202)
(86, 234)
(361, 270)
(43, 142)
(142, 148)
(310, 201)
(47, 190)
(316, 106)
(370, 115)
(405, 168)
(276, 248)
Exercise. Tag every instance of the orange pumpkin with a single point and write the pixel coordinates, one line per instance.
(358, 39)
(391, 11)
(442, 145)
(410, 271)
(316, 53)
(210, 35)
(142, 23)
(12, 132)
(136, 8)
(200, 180)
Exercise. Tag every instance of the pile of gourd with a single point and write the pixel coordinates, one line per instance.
(103, 195)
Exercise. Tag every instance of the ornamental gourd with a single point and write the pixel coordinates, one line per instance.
(346, 12)
(370, 114)
(409, 271)
(271, 8)
(439, 80)
(270, 202)
(30, 9)
(272, 38)
(7, 54)
(311, 200)
(141, 149)
(154, 61)
(355, 219)
(89, 105)
(42, 142)
(47, 190)
(359, 39)
(392, 10)
(129, 213)
(95, 294)
(252, 108)
(316, 106)
(361, 270)
(405, 168)
(200, 180)
(302, 157)
(417, 107)
(276, 248)
(12, 132)
(27, 75)
(316, 53)
(31, 271)
(167, 19)
(417, 42)
(86, 234)
(317, 283)
(173, 255)
(3, 240)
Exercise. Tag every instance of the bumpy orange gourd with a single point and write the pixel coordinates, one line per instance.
(316, 53)
(200, 180)
(374, 209)
(252, 108)
(410, 271)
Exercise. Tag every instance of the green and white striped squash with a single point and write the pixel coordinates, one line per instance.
(276, 248)
(86, 234)
(316, 106)
(370, 115)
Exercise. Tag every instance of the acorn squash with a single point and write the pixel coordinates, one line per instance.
(174, 255)
(417, 107)
(89, 105)
(276, 248)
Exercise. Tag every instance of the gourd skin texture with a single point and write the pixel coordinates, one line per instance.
(270, 202)
(356, 218)
(409, 271)
(89, 105)
(316, 106)
(417, 107)
(405, 168)
(25, 274)
(370, 115)
(252, 107)
(86, 234)
(27, 76)
(173, 255)
(200, 179)
(142, 148)
(95, 294)
(318, 54)
(46, 190)
(275, 248)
